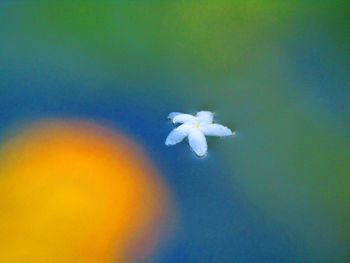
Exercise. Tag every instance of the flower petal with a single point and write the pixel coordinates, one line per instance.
(173, 114)
(182, 118)
(216, 130)
(198, 142)
(205, 116)
(177, 135)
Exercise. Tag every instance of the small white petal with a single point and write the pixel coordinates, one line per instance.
(205, 116)
(198, 142)
(182, 118)
(177, 135)
(173, 114)
(216, 130)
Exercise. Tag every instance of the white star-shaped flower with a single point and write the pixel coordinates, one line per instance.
(195, 128)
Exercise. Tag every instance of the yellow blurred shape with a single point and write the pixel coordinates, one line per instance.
(72, 192)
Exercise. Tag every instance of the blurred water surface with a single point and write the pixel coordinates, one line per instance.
(275, 71)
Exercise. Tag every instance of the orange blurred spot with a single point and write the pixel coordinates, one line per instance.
(76, 192)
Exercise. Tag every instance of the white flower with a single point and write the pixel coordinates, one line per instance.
(195, 128)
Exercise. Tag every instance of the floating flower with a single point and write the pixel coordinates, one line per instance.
(195, 128)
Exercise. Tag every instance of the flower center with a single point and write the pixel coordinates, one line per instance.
(197, 125)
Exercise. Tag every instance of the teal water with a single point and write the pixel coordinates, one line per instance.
(276, 72)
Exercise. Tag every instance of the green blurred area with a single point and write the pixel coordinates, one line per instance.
(212, 37)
